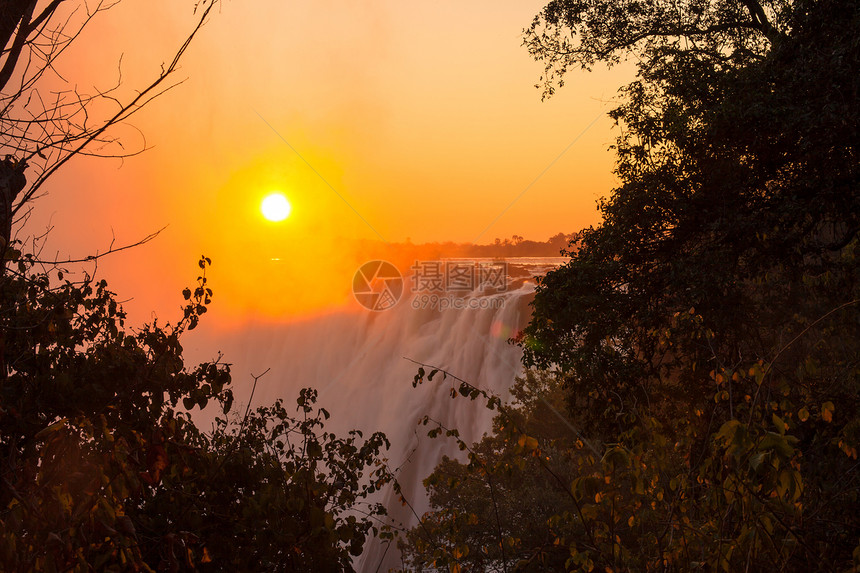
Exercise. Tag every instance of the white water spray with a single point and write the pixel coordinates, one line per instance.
(358, 361)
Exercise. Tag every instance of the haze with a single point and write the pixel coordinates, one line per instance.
(384, 121)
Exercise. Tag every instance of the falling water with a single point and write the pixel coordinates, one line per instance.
(361, 364)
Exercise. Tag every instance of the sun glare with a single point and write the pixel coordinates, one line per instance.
(275, 207)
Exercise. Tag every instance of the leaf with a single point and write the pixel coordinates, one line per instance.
(776, 442)
(727, 431)
(778, 423)
(584, 487)
(758, 372)
(527, 442)
(827, 411)
(617, 457)
(157, 461)
(65, 500)
(757, 459)
(803, 414)
(51, 429)
(12, 254)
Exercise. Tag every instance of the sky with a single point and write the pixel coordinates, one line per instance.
(379, 120)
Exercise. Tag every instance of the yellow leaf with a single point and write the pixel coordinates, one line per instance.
(527, 442)
(206, 557)
(803, 414)
(758, 372)
(827, 411)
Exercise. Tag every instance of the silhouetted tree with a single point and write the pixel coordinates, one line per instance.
(101, 467)
(706, 331)
(42, 128)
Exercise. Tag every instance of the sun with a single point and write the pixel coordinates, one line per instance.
(275, 207)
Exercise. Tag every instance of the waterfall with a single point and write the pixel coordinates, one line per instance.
(358, 361)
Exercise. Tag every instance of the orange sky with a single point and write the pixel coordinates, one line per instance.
(417, 120)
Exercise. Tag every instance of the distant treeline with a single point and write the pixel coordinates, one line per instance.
(516, 246)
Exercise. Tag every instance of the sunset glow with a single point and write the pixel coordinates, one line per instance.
(378, 128)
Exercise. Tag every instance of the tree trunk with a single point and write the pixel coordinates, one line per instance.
(12, 182)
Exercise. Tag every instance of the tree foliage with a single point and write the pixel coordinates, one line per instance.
(101, 467)
(706, 332)
(491, 511)
(46, 120)
(577, 33)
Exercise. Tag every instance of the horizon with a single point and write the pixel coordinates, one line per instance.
(394, 123)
